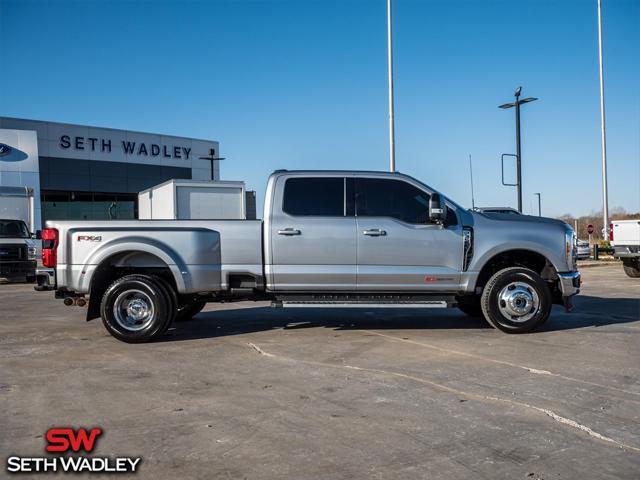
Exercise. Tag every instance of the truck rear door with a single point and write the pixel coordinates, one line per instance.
(398, 249)
(313, 235)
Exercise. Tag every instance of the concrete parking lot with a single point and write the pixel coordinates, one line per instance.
(246, 391)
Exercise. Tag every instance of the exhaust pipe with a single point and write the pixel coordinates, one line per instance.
(68, 301)
(81, 302)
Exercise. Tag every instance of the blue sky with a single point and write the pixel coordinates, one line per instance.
(302, 84)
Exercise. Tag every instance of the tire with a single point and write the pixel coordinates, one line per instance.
(189, 310)
(631, 268)
(30, 279)
(131, 295)
(470, 305)
(516, 300)
(171, 294)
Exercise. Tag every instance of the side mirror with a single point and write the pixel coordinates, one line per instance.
(37, 235)
(437, 209)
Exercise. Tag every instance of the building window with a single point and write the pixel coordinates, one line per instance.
(57, 205)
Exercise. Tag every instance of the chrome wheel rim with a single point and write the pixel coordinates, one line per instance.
(518, 302)
(133, 310)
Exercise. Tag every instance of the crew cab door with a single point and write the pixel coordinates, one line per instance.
(312, 236)
(398, 249)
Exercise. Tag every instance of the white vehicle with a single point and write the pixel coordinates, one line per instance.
(18, 250)
(625, 239)
(193, 200)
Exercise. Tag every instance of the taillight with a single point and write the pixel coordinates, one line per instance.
(611, 232)
(49, 247)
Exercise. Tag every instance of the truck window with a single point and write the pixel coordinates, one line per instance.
(391, 198)
(14, 229)
(314, 197)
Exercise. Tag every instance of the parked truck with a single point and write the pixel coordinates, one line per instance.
(328, 239)
(625, 239)
(18, 248)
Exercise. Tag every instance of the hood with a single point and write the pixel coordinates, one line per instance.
(509, 217)
(16, 241)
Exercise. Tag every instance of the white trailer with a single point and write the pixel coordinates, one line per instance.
(193, 200)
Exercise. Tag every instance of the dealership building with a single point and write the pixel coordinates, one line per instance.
(79, 172)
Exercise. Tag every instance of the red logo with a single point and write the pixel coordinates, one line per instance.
(65, 439)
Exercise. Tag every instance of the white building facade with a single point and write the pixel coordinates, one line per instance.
(80, 172)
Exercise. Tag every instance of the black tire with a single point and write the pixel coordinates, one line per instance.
(470, 305)
(631, 268)
(171, 294)
(525, 286)
(30, 279)
(189, 310)
(150, 294)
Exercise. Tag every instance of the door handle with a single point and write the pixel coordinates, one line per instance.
(375, 232)
(289, 231)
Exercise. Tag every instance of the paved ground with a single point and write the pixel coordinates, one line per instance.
(245, 391)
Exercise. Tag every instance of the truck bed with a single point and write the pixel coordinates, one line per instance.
(200, 253)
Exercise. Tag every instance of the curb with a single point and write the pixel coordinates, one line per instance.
(603, 263)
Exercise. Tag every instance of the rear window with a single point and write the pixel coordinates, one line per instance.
(320, 197)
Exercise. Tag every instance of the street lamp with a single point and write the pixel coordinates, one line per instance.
(212, 157)
(539, 205)
(517, 104)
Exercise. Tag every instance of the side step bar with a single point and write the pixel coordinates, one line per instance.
(364, 301)
(430, 304)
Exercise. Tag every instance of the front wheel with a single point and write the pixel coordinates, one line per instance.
(631, 267)
(516, 300)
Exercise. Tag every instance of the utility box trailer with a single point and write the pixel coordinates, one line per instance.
(193, 200)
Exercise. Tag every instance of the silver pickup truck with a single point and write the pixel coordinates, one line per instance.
(328, 239)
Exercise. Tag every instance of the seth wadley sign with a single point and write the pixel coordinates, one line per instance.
(128, 147)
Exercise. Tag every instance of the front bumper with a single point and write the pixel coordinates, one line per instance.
(45, 279)
(569, 283)
(18, 268)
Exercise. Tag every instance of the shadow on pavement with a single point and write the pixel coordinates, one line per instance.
(588, 312)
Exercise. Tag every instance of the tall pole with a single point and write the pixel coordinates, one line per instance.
(473, 201)
(518, 154)
(392, 142)
(603, 140)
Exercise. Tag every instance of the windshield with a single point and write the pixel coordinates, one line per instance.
(13, 229)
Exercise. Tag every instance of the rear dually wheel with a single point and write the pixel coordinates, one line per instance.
(136, 309)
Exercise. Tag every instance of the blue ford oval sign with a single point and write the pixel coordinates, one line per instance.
(4, 150)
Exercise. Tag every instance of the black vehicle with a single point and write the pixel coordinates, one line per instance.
(17, 251)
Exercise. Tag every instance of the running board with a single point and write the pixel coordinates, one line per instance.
(433, 304)
(364, 301)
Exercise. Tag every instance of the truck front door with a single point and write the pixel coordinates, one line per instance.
(398, 249)
(313, 236)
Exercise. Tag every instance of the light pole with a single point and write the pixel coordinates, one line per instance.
(517, 104)
(392, 141)
(212, 157)
(603, 132)
(539, 205)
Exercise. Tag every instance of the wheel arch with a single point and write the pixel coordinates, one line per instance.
(123, 263)
(518, 257)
